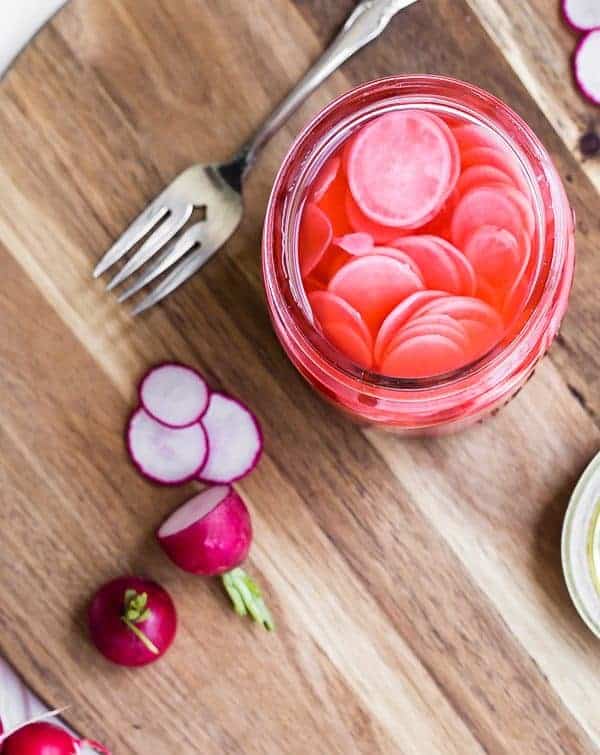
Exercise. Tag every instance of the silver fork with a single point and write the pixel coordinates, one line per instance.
(218, 187)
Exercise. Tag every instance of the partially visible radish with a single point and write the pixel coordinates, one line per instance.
(235, 440)
(211, 535)
(587, 66)
(583, 15)
(174, 395)
(132, 621)
(44, 738)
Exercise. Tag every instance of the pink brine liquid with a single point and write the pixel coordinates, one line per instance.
(415, 244)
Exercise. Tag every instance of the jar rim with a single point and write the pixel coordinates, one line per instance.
(460, 98)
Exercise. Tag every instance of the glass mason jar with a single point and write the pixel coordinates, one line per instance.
(457, 399)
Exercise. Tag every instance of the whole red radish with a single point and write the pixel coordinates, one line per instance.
(211, 535)
(132, 621)
(44, 738)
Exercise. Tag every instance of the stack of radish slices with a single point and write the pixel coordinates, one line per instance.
(183, 431)
(584, 16)
(415, 244)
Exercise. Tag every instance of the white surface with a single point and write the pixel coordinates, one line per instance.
(20, 20)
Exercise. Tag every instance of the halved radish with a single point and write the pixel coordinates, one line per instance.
(484, 206)
(316, 234)
(356, 244)
(463, 267)
(399, 316)
(374, 285)
(343, 326)
(494, 253)
(586, 64)
(500, 159)
(423, 356)
(381, 234)
(174, 395)
(583, 15)
(469, 135)
(169, 456)
(333, 205)
(326, 177)
(401, 167)
(235, 441)
(479, 175)
(437, 269)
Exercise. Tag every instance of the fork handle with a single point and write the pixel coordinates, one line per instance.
(366, 23)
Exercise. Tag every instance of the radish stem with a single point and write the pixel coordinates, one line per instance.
(246, 597)
(136, 611)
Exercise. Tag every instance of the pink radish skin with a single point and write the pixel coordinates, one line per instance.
(174, 395)
(43, 738)
(211, 535)
(582, 15)
(165, 455)
(586, 66)
(132, 621)
(235, 440)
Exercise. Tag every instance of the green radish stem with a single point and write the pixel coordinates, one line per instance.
(246, 597)
(136, 611)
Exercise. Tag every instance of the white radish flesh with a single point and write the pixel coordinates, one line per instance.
(587, 66)
(582, 14)
(234, 439)
(175, 395)
(163, 454)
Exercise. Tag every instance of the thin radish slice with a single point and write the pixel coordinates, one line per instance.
(462, 265)
(437, 269)
(316, 234)
(440, 325)
(356, 244)
(174, 395)
(349, 341)
(495, 158)
(484, 206)
(312, 284)
(494, 254)
(480, 337)
(398, 254)
(333, 205)
(163, 454)
(469, 135)
(374, 285)
(343, 326)
(524, 205)
(326, 177)
(399, 316)
(381, 234)
(480, 175)
(235, 440)
(423, 356)
(401, 167)
(492, 294)
(334, 259)
(586, 66)
(583, 15)
(464, 308)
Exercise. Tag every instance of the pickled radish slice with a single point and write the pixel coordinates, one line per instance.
(463, 267)
(380, 234)
(525, 208)
(484, 206)
(441, 325)
(401, 167)
(356, 244)
(316, 234)
(374, 285)
(325, 178)
(333, 205)
(480, 338)
(470, 135)
(423, 356)
(343, 326)
(399, 316)
(494, 254)
(496, 159)
(491, 294)
(480, 175)
(437, 269)
(464, 308)
(314, 284)
(398, 254)
(332, 261)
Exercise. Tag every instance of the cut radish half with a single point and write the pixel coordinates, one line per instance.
(343, 326)
(399, 316)
(235, 440)
(437, 269)
(587, 66)
(374, 285)
(583, 15)
(325, 178)
(314, 239)
(170, 456)
(174, 395)
(381, 234)
(401, 167)
(356, 244)
(423, 356)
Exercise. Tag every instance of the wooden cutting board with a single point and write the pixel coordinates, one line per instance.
(416, 585)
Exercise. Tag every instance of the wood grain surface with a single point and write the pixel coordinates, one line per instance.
(416, 585)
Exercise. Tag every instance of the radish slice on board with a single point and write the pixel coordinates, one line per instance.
(326, 177)
(343, 326)
(174, 395)
(373, 285)
(314, 239)
(401, 168)
(583, 15)
(169, 456)
(235, 440)
(587, 66)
